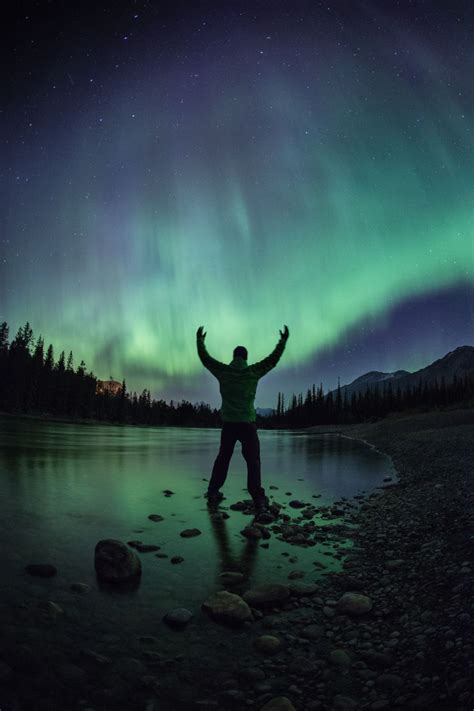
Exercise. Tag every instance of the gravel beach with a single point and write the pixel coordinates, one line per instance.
(414, 558)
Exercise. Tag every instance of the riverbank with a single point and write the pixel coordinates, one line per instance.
(414, 558)
(405, 641)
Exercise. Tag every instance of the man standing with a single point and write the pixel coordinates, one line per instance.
(238, 384)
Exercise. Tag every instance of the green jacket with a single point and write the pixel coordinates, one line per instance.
(238, 381)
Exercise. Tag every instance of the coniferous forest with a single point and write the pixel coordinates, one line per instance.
(375, 403)
(32, 381)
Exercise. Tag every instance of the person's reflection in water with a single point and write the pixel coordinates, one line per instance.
(242, 563)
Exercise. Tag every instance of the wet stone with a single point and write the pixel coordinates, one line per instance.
(115, 562)
(227, 608)
(252, 674)
(267, 644)
(265, 517)
(266, 593)
(251, 532)
(190, 532)
(231, 577)
(340, 658)
(80, 588)
(300, 588)
(354, 604)
(389, 681)
(41, 570)
(178, 618)
(313, 632)
(49, 610)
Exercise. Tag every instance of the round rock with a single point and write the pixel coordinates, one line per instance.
(227, 608)
(49, 610)
(252, 532)
(190, 532)
(41, 570)
(178, 618)
(340, 658)
(299, 588)
(231, 577)
(115, 562)
(79, 588)
(265, 517)
(267, 644)
(267, 593)
(354, 604)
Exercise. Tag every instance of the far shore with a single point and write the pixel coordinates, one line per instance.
(357, 430)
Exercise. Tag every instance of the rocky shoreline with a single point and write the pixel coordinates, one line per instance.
(413, 559)
(392, 630)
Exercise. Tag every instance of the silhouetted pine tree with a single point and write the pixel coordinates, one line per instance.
(4, 332)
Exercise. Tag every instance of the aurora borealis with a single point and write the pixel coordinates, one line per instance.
(241, 166)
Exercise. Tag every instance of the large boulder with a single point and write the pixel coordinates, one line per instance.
(115, 562)
(267, 594)
(227, 608)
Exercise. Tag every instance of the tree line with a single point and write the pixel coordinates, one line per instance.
(33, 382)
(316, 408)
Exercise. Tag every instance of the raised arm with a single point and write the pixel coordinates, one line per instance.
(264, 366)
(213, 365)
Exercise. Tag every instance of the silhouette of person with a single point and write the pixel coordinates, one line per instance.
(238, 384)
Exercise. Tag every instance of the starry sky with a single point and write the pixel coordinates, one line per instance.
(241, 166)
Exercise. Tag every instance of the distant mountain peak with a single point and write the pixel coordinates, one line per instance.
(377, 376)
(458, 362)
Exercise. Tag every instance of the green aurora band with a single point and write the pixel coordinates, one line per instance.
(318, 199)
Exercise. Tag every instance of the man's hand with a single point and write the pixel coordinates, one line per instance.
(200, 332)
(284, 334)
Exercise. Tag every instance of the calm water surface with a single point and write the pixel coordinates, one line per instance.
(64, 486)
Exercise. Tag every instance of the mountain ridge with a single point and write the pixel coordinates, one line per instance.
(458, 362)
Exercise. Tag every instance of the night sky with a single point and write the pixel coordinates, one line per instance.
(239, 166)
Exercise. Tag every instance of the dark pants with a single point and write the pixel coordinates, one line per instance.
(246, 433)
